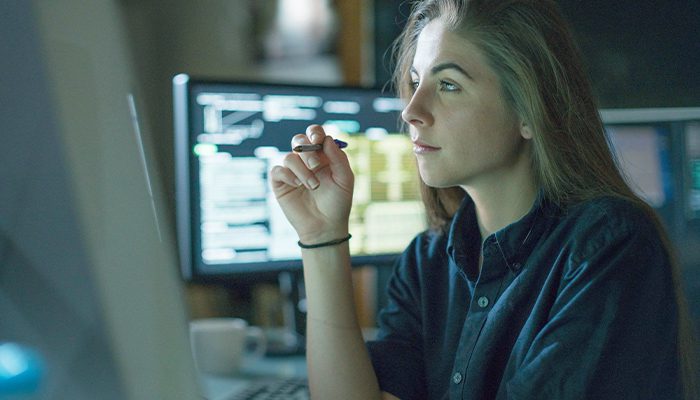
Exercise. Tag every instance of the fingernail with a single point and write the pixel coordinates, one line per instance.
(312, 162)
(313, 137)
(312, 183)
(297, 182)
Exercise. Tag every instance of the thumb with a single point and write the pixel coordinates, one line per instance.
(337, 159)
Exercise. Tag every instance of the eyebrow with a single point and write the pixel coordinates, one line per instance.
(447, 65)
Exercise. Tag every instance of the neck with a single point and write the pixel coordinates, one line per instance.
(498, 206)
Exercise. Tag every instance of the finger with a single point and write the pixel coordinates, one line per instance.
(316, 134)
(312, 159)
(300, 138)
(281, 177)
(299, 169)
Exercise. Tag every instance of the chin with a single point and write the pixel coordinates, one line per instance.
(447, 175)
(436, 180)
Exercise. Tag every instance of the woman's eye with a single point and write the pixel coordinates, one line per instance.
(414, 84)
(448, 86)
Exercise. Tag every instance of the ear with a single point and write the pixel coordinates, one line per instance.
(525, 131)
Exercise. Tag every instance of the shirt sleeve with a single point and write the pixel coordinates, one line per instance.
(397, 354)
(612, 328)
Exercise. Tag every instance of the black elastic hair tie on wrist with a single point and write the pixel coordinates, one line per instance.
(324, 244)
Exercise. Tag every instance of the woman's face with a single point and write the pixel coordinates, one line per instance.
(463, 132)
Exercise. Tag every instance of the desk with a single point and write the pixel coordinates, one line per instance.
(221, 387)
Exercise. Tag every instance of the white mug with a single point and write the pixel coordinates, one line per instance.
(219, 344)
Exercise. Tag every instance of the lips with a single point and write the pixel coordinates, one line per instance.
(420, 147)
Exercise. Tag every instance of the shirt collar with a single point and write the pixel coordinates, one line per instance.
(513, 243)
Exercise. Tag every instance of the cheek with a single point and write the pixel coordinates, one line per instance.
(483, 139)
(500, 124)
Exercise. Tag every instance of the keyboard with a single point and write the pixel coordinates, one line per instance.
(274, 389)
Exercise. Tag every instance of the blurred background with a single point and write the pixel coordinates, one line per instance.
(639, 54)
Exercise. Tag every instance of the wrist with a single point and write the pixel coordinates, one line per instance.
(328, 243)
(324, 236)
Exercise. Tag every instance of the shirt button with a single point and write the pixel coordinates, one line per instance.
(483, 301)
(457, 378)
(517, 266)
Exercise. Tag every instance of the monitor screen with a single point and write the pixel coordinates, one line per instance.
(657, 150)
(692, 164)
(229, 135)
(642, 155)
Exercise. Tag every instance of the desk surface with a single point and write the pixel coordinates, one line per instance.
(221, 387)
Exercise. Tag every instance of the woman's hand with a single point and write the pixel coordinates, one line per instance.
(315, 188)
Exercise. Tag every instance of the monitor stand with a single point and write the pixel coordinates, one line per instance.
(289, 340)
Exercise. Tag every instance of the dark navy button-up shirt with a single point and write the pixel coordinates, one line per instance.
(575, 304)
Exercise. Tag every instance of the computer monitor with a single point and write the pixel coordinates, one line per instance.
(642, 152)
(658, 151)
(88, 279)
(692, 165)
(227, 137)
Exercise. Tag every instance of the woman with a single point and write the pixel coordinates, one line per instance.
(542, 276)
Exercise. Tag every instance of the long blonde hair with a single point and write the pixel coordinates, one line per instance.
(530, 48)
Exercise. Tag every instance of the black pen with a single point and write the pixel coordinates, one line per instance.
(314, 147)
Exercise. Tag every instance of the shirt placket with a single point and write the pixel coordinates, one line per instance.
(484, 295)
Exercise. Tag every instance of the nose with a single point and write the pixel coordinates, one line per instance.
(417, 111)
